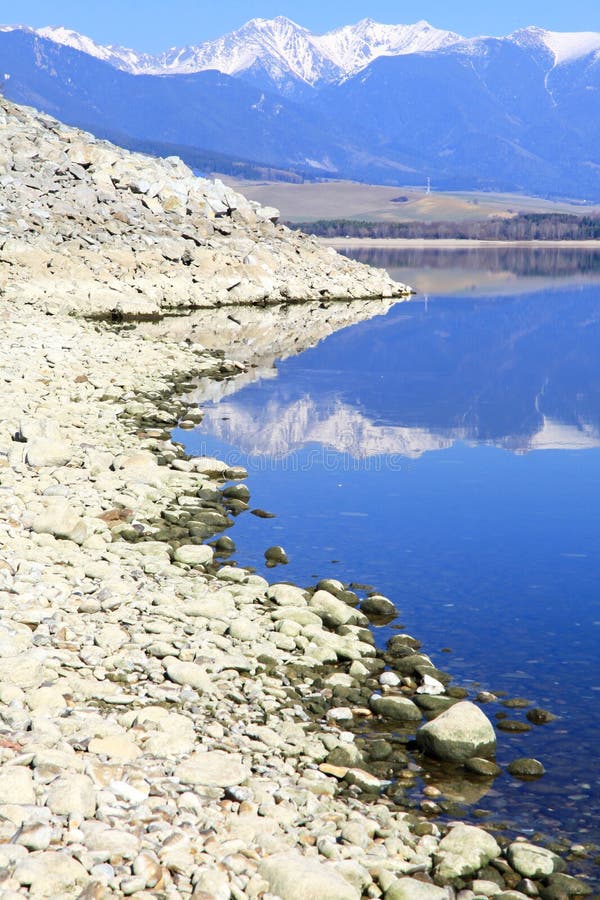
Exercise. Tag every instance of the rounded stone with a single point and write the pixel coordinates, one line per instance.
(526, 768)
(480, 766)
(194, 554)
(412, 889)
(532, 861)
(460, 733)
(276, 556)
(463, 851)
(538, 716)
(395, 707)
(378, 606)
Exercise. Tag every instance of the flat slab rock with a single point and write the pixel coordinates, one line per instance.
(295, 877)
(212, 769)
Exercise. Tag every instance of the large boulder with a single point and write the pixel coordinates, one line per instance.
(458, 734)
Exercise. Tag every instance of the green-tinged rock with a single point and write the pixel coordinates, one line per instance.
(464, 851)
(560, 886)
(392, 706)
(526, 768)
(532, 861)
(276, 556)
(480, 766)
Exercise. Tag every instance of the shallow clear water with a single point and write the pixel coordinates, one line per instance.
(448, 454)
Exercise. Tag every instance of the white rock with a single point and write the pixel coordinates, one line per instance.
(16, 785)
(194, 554)
(295, 877)
(212, 769)
(60, 519)
(72, 795)
(50, 874)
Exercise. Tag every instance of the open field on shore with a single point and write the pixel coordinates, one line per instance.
(382, 203)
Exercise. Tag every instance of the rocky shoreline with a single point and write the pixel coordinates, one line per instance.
(172, 726)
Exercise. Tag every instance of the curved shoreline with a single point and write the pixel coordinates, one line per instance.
(170, 727)
(134, 628)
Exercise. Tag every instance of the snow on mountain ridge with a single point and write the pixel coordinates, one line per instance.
(565, 46)
(280, 46)
(353, 47)
(288, 52)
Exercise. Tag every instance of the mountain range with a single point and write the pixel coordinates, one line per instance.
(395, 104)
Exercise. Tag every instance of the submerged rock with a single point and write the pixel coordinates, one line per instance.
(276, 556)
(526, 768)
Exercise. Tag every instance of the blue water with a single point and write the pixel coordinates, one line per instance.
(448, 454)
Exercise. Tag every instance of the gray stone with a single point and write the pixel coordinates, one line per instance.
(560, 886)
(459, 733)
(332, 611)
(525, 767)
(378, 606)
(393, 706)
(187, 673)
(276, 556)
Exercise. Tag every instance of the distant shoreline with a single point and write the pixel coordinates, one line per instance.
(450, 243)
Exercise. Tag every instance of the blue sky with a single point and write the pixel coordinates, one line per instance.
(154, 25)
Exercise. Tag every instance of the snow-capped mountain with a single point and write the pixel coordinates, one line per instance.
(279, 47)
(354, 47)
(396, 104)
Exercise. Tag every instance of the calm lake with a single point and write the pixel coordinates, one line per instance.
(448, 454)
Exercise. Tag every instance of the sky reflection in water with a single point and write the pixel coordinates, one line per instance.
(449, 454)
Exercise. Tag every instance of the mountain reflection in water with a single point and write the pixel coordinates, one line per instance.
(484, 270)
(521, 372)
